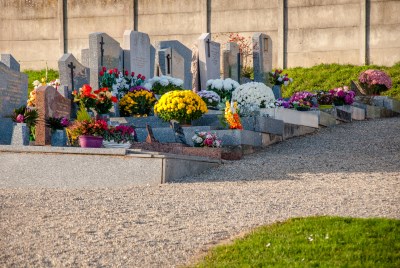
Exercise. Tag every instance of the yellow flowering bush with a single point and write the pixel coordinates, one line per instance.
(138, 101)
(180, 105)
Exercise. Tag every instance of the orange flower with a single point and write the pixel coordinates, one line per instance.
(86, 90)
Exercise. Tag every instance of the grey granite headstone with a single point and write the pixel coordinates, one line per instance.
(112, 55)
(185, 53)
(171, 63)
(10, 62)
(81, 73)
(262, 56)
(138, 44)
(230, 61)
(209, 59)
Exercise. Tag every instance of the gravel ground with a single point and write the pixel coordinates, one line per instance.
(348, 170)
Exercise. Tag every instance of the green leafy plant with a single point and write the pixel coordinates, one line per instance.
(57, 123)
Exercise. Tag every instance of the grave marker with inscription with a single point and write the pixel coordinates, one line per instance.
(171, 63)
(103, 51)
(209, 59)
(230, 63)
(138, 58)
(49, 103)
(262, 56)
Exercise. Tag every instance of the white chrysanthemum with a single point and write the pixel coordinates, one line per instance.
(176, 82)
(148, 85)
(209, 82)
(164, 82)
(218, 84)
(253, 93)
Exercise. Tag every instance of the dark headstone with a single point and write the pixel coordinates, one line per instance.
(178, 131)
(150, 136)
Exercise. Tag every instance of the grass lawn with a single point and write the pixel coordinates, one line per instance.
(313, 242)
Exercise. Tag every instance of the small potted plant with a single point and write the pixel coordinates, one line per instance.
(223, 87)
(211, 98)
(325, 100)
(139, 101)
(342, 96)
(206, 139)
(181, 105)
(303, 101)
(375, 81)
(57, 126)
(231, 116)
(119, 137)
(25, 120)
(277, 79)
(254, 93)
(163, 84)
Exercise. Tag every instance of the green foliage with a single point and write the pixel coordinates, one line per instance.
(329, 76)
(314, 242)
(38, 75)
(82, 114)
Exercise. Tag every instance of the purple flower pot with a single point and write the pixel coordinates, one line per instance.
(90, 141)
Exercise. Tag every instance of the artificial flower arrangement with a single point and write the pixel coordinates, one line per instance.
(206, 139)
(26, 115)
(119, 82)
(254, 93)
(139, 101)
(57, 123)
(223, 88)
(211, 98)
(342, 95)
(163, 84)
(375, 81)
(120, 134)
(180, 105)
(277, 78)
(100, 100)
(232, 115)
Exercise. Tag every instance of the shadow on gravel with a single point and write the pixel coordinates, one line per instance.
(360, 147)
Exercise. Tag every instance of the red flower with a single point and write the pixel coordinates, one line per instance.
(139, 75)
(74, 92)
(116, 70)
(114, 99)
(101, 73)
(126, 73)
(104, 69)
(86, 90)
(133, 74)
(110, 71)
(143, 77)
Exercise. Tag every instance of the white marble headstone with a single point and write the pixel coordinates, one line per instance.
(138, 45)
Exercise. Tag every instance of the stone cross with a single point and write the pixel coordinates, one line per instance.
(208, 47)
(72, 67)
(101, 51)
(168, 63)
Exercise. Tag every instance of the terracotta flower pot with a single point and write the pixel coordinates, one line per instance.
(86, 141)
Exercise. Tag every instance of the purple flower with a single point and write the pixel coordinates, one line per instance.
(20, 118)
(286, 104)
(138, 88)
(64, 122)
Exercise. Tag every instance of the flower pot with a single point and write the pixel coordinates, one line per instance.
(87, 141)
(20, 135)
(277, 90)
(59, 138)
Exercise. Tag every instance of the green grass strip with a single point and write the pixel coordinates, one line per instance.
(313, 242)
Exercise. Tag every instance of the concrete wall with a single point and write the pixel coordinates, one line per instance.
(303, 32)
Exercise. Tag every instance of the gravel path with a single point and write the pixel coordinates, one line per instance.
(348, 170)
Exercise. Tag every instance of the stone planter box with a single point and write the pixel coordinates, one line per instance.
(20, 134)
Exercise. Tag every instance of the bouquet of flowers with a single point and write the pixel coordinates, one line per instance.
(254, 93)
(180, 105)
(223, 88)
(206, 139)
(138, 101)
(57, 123)
(303, 100)
(232, 116)
(120, 134)
(375, 81)
(211, 98)
(342, 96)
(90, 127)
(277, 78)
(119, 82)
(324, 98)
(163, 84)
(101, 100)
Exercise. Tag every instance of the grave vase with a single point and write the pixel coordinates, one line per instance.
(20, 134)
(59, 138)
(87, 141)
(277, 90)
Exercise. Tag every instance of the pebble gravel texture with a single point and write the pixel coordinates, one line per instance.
(347, 170)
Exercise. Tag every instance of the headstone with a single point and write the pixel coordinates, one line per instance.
(103, 51)
(49, 103)
(230, 64)
(262, 56)
(13, 94)
(139, 57)
(209, 59)
(171, 63)
(10, 62)
(75, 78)
(181, 64)
(194, 69)
(357, 88)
